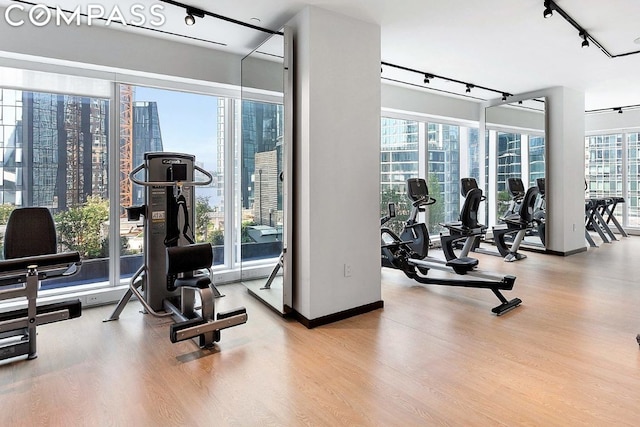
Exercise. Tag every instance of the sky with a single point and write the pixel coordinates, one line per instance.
(188, 124)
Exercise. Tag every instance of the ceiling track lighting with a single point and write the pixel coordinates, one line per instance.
(619, 110)
(427, 77)
(504, 96)
(584, 35)
(550, 6)
(548, 11)
(192, 13)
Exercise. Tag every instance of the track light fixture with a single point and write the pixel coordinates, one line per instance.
(548, 12)
(428, 77)
(619, 110)
(551, 8)
(192, 12)
(504, 96)
(584, 35)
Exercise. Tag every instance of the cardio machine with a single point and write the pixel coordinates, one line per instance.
(467, 227)
(516, 225)
(172, 273)
(30, 252)
(409, 253)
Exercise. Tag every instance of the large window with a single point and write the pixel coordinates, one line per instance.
(612, 168)
(54, 153)
(603, 161)
(399, 159)
(633, 179)
(177, 122)
(438, 152)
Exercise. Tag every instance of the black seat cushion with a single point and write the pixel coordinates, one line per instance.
(30, 232)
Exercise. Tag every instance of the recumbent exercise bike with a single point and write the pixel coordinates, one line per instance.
(409, 253)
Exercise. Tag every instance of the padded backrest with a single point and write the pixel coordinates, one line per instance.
(469, 212)
(30, 232)
(467, 184)
(186, 259)
(417, 189)
(516, 188)
(528, 204)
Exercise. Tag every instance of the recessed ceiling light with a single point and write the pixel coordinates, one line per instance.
(257, 20)
(637, 41)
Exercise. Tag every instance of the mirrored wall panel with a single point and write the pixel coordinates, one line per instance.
(266, 132)
(515, 165)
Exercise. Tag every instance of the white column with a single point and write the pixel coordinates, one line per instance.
(565, 171)
(337, 170)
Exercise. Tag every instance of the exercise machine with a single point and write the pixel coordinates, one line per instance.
(467, 227)
(30, 252)
(175, 269)
(540, 214)
(599, 214)
(409, 253)
(516, 225)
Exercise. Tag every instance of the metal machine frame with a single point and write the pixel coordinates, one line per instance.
(167, 292)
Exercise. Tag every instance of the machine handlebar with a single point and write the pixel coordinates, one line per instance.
(169, 183)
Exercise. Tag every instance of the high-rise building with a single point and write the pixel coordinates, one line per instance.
(146, 138)
(54, 149)
(398, 154)
(509, 157)
(262, 129)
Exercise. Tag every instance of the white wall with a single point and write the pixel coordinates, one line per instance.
(421, 102)
(611, 121)
(337, 91)
(121, 50)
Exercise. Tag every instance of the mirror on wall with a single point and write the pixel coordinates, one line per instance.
(515, 160)
(265, 171)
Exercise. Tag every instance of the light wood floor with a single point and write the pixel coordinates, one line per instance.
(432, 356)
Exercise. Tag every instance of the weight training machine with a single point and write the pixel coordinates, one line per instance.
(409, 253)
(172, 273)
(30, 252)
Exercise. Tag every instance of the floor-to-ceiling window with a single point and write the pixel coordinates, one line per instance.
(612, 163)
(68, 143)
(440, 153)
(54, 154)
(633, 180)
(161, 120)
(399, 161)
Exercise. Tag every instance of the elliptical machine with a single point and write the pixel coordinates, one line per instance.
(409, 253)
(171, 276)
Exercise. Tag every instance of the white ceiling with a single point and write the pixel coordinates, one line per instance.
(501, 44)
